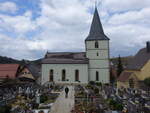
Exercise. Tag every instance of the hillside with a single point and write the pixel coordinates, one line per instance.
(36, 62)
(124, 60)
(7, 60)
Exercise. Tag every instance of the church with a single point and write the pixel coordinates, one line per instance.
(80, 67)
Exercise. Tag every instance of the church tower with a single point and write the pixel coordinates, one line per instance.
(97, 51)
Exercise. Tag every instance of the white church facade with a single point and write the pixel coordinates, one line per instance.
(80, 67)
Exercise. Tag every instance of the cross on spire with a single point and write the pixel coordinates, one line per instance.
(95, 3)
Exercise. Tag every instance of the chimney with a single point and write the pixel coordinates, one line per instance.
(148, 46)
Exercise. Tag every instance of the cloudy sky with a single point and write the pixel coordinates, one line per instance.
(29, 28)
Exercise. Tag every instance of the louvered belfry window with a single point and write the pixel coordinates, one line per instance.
(96, 44)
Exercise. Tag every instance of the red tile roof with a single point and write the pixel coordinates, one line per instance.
(124, 76)
(8, 70)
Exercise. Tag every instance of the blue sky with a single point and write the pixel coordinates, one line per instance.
(23, 5)
(29, 28)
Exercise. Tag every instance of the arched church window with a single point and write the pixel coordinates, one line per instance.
(51, 76)
(76, 75)
(96, 44)
(63, 75)
(97, 76)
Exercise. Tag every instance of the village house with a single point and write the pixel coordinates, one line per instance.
(80, 67)
(137, 70)
(30, 72)
(8, 71)
(25, 73)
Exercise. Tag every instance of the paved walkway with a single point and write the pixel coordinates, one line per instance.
(62, 104)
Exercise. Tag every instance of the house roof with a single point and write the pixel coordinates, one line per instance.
(34, 70)
(139, 60)
(65, 58)
(8, 70)
(124, 76)
(96, 30)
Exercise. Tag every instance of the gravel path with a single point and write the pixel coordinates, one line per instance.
(62, 104)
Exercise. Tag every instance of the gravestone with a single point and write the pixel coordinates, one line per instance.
(38, 97)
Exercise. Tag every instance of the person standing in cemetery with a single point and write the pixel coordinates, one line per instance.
(66, 91)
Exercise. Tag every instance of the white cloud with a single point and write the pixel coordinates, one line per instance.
(114, 6)
(127, 39)
(19, 24)
(8, 7)
(132, 17)
(20, 48)
(64, 12)
(64, 24)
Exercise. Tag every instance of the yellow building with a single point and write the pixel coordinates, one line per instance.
(137, 70)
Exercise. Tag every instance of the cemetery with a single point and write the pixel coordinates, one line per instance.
(104, 98)
(89, 99)
(28, 98)
(94, 97)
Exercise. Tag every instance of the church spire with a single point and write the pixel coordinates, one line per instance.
(96, 30)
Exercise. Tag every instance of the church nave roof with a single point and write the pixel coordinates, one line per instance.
(65, 58)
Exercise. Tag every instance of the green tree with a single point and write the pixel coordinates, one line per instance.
(115, 105)
(98, 83)
(96, 90)
(5, 109)
(147, 81)
(112, 102)
(43, 98)
(119, 107)
(92, 83)
(119, 66)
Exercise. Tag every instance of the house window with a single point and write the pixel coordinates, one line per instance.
(96, 44)
(131, 83)
(76, 75)
(63, 75)
(51, 75)
(97, 76)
